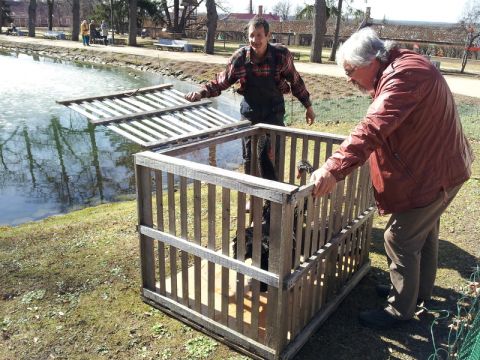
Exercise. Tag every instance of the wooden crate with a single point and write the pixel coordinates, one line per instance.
(189, 213)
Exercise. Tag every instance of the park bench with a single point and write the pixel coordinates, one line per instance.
(55, 35)
(176, 45)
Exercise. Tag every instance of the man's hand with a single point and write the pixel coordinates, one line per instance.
(193, 96)
(324, 182)
(310, 115)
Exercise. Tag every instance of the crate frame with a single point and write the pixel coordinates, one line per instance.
(326, 273)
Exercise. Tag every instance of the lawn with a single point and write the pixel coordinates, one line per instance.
(70, 284)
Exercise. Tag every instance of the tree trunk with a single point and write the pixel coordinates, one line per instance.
(337, 31)
(212, 19)
(32, 17)
(319, 30)
(175, 17)
(50, 14)
(132, 23)
(75, 19)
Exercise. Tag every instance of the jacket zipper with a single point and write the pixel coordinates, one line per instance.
(396, 156)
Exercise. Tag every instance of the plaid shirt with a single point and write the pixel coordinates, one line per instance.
(285, 73)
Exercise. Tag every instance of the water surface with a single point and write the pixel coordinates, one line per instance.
(51, 159)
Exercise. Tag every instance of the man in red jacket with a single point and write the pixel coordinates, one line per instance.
(419, 158)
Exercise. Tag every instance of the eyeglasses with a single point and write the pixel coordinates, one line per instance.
(349, 72)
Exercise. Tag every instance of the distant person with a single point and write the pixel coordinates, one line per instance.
(12, 29)
(84, 31)
(265, 72)
(93, 31)
(104, 32)
(419, 158)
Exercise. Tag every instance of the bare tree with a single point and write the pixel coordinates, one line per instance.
(282, 9)
(319, 30)
(470, 22)
(337, 31)
(50, 14)
(132, 22)
(212, 18)
(75, 19)
(32, 17)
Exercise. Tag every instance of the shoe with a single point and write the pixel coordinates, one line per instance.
(379, 319)
(384, 290)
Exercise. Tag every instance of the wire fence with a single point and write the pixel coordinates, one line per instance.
(352, 109)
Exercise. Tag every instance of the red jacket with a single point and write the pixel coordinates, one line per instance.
(412, 134)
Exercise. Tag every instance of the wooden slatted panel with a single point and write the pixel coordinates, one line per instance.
(153, 117)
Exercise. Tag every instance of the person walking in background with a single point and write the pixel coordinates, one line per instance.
(419, 159)
(93, 30)
(84, 31)
(104, 32)
(265, 72)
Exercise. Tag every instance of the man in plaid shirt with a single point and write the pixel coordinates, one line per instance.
(264, 72)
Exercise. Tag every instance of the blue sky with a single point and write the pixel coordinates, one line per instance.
(417, 10)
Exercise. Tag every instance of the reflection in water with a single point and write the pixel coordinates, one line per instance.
(51, 159)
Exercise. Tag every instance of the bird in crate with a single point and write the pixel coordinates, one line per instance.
(303, 166)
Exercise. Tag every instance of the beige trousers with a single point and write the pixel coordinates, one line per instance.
(411, 243)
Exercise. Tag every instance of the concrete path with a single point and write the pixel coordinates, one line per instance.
(469, 86)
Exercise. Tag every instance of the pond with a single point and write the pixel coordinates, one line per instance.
(51, 159)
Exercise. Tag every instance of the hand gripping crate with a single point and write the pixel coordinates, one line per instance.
(307, 253)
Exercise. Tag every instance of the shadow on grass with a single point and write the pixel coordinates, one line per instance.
(342, 337)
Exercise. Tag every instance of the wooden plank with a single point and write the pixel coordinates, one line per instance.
(160, 100)
(104, 107)
(294, 132)
(197, 230)
(145, 218)
(293, 155)
(203, 323)
(233, 132)
(160, 226)
(155, 112)
(281, 160)
(240, 291)
(266, 189)
(115, 94)
(316, 224)
(184, 234)
(172, 230)
(256, 205)
(328, 149)
(225, 251)
(211, 246)
(319, 319)
(127, 135)
(316, 154)
(136, 132)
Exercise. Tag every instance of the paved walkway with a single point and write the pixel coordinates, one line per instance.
(458, 84)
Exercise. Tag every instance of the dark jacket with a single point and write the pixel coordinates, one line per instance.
(412, 135)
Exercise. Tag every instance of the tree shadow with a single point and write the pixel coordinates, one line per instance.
(342, 337)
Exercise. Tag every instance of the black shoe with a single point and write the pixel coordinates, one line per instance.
(383, 290)
(378, 319)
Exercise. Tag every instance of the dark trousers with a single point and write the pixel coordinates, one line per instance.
(266, 168)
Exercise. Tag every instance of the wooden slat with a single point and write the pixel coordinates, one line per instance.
(161, 227)
(116, 94)
(303, 178)
(293, 154)
(156, 112)
(256, 258)
(172, 230)
(197, 230)
(184, 234)
(211, 246)
(281, 160)
(241, 202)
(127, 135)
(145, 217)
(225, 251)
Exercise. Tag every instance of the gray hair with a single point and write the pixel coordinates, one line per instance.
(363, 47)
